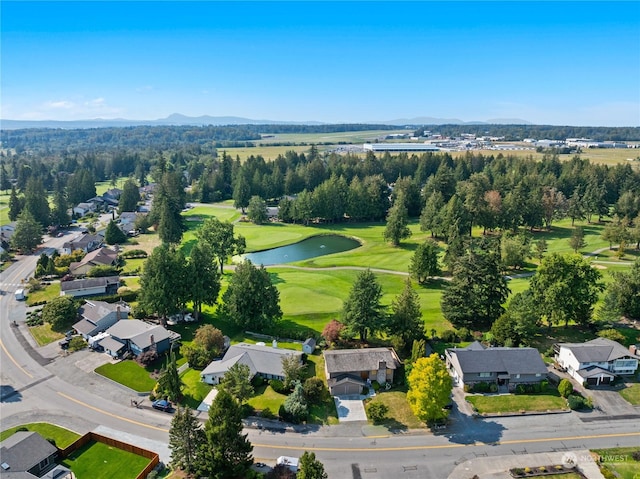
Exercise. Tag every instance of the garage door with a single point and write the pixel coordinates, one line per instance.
(346, 389)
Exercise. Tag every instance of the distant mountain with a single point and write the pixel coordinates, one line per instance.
(177, 119)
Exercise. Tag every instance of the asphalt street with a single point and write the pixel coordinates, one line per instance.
(65, 391)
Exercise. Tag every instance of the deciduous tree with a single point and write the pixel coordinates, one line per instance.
(257, 210)
(429, 389)
(220, 237)
(623, 293)
(293, 370)
(204, 278)
(310, 468)
(130, 196)
(577, 239)
(237, 382)
(60, 312)
(424, 262)
(27, 234)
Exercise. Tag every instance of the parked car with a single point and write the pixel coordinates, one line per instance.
(162, 405)
(64, 344)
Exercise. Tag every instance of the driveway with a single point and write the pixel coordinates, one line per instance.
(350, 408)
(611, 403)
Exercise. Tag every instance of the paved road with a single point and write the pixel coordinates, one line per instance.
(67, 393)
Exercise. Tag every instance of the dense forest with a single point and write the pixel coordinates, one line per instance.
(49, 141)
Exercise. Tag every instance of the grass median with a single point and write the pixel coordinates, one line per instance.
(517, 403)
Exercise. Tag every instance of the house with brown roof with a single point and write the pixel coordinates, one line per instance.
(348, 371)
(86, 242)
(100, 257)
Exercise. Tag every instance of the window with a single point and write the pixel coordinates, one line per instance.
(484, 375)
(537, 375)
(517, 376)
(44, 463)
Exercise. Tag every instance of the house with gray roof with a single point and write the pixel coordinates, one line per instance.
(86, 242)
(26, 454)
(597, 361)
(137, 337)
(348, 371)
(264, 361)
(505, 367)
(90, 286)
(98, 316)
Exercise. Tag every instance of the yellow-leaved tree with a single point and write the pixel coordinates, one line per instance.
(429, 389)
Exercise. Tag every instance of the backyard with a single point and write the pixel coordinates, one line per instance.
(100, 461)
(62, 437)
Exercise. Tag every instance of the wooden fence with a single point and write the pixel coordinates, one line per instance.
(153, 457)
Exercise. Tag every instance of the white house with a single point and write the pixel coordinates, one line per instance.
(262, 360)
(82, 209)
(597, 361)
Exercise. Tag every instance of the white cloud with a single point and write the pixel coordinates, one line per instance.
(60, 104)
(76, 109)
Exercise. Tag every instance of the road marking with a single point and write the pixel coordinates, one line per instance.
(446, 446)
(14, 361)
(138, 423)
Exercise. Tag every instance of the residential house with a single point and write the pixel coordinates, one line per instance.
(26, 454)
(262, 360)
(597, 361)
(127, 221)
(6, 231)
(86, 242)
(111, 197)
(98, 316)
(83, 209)
(137, 337)
(90, 286)
(505, 367)
(349, 370)
(100, 257)
(98, 202)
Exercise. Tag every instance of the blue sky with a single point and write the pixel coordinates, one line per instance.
(574, 63)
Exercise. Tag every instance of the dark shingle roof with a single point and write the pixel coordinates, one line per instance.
(25, 449)
(493, 360)
(368, 359)
(599, 350)
(86, 283)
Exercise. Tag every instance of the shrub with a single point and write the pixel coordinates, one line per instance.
(636, 455)
(493, 387)
(575, 402)
(467, 388)
(77, 343)
(146, 358)
(267, 413)
(314, 390)
(134, 253)
(377, 411)
(450, 336)
(278, 386)
(375, 385)
(565, 388)
(481, 387)
(544, 386)
(257, 381)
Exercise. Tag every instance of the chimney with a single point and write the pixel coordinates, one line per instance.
(118, 318)
(152, 340)
(274, 343)
(382, 365)
(633, 349)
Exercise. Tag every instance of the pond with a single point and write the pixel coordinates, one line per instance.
(305, 249)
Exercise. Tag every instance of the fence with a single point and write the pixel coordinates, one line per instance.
(92, 436)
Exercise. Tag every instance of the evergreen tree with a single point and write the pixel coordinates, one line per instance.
(169, 382)
(520, 322)
(295, 406)
(186, 440)
(129, 198)
(204, 286)
(577, 239)
(293, 369)
(16, 204)
(424, 262)
(113, 234)
(228, 450)
(405, 319)
(36, 202)
(5, 184)
(168, 202)
(540, 248)
(310, 468)
(397, 222)
(241, 192)
(27, 234)
(623, 293)
(431, 215)
(575, 206)
(251, 300)
(363, 314)
(59, 215)
(237, 382)
(474, 296)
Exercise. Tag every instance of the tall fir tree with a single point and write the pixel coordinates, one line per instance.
(186, 441)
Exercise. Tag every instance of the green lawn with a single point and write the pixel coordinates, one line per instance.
(266, 398)
(100, 461)
(62, 437)
(194, 390)
(400, 415)
(128, 373)
(619, 461)
(44, 335)
(47, 293)
(632, 394)
(514, 403)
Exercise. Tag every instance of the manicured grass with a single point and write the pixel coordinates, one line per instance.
(619, 461)
(62, 437)
(44, 335)
(514, 403)
(632, 394)
(100, 461)
(266, 398)
(194, 389)
(400, 415)
(128, 373)
(47, 293)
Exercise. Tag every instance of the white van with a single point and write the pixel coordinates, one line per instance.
(290, 462)
(20, 296)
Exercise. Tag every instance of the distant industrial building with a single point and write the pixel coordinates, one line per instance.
(399, 147)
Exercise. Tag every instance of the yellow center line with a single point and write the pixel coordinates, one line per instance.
(137, 423)
(14, 361)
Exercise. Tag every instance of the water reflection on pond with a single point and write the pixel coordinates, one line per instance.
(305, 249)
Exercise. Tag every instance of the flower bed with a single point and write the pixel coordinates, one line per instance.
(553, 470)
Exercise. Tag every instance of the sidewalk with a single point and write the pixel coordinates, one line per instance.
(497, 467)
